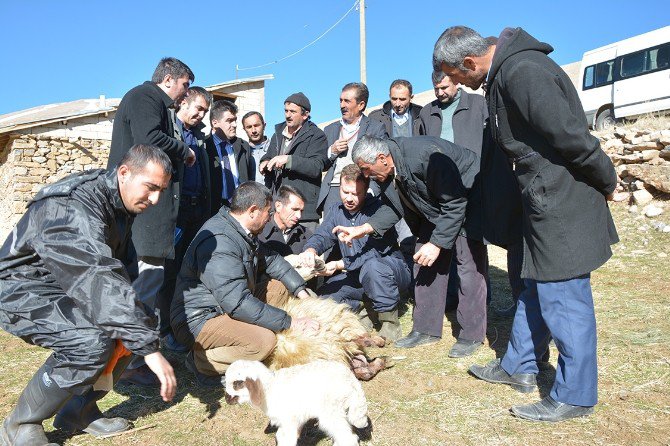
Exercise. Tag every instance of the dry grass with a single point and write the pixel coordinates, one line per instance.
(650, 121)
(429, 399)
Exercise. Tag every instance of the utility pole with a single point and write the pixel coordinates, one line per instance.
(361, 8)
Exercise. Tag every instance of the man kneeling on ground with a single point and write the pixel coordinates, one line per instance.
(215, 311)
(370, 266)
(64, 285)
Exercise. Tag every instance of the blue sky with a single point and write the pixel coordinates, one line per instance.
(56, 51)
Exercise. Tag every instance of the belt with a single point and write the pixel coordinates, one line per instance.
(191, 200)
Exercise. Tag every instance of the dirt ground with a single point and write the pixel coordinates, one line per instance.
(428, 398)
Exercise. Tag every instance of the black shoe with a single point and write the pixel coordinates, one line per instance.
(548, 409)
(463, 348)
(141, 376)
(202, 379)
(39, 401)
(414, 339)
(81, 413)
(494, 373)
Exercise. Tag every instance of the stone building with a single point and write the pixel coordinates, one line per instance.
(40, 145)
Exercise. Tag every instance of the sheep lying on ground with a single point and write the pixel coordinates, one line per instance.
(325, 390)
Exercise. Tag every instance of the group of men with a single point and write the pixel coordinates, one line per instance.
(213, 215)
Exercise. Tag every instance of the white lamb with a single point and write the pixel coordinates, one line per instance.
(325, 390)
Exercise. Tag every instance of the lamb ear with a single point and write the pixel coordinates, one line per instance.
(256, 392)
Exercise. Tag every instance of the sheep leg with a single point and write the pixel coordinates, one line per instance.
(364, 369)
(287, 435)
(368, 340)
(339, 430)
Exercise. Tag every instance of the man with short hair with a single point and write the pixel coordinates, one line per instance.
(284, 233)
(215, 312)
(460, 117)
(566, 179)
(65, 286)
(254, 126)
(341, 136)
(230, 160)
(426, 180)
(143, 118)
(399, 114)
(370, 266)
(297, 154)
(194, 204)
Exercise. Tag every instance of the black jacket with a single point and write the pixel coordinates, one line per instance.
(367, 127)
(70, 251)
(563, 173)
(384, 116)
(308, 156)
(219, 275)
(143, 118)
(246, 168)
(273, 238)
(468, 122)
(435, 176)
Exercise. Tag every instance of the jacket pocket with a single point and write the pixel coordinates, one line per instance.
(540, 192)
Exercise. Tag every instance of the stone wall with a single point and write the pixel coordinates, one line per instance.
(29, 162)
(86, 127)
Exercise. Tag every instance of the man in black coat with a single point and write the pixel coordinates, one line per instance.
(297, 155)
(426, 180)
(143, 118)
(565, 179)
(341, 136)
(230, 159)
(399, 114)
(284, 234)
(65, 286)
(215, 312)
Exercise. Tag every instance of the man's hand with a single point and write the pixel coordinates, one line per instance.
(339, 146)
(346, 234)
(262, 167)
(331, 268)
(305, 325)
(308, 258)
(277, 162)
(163, 370)
(190, 158)
(427, 255)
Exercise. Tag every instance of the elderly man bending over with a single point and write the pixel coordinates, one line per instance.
(215, 312)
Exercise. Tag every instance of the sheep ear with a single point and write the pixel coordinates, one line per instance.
(256, 392)
(237, 385)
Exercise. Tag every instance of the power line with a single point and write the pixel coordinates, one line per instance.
(237, 67)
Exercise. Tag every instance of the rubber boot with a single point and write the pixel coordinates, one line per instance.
(365, 320)
(81, 413)
(390, 329)
(39, 401)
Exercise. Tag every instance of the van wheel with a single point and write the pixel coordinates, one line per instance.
(605, 120)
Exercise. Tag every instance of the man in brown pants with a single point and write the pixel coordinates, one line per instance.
(215, 310)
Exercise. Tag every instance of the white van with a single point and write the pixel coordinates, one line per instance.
(626, 78)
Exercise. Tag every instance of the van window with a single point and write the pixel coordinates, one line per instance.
(604, 73)
(588, 77)
(632, 64)
(659, 58)
(645, 61)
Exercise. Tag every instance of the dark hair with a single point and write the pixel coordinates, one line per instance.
(140, 155)
(252, 113)
(401, 83)
(220, 107)
(284, 194)
(457, 43)
(362, 92)
(195, 92)
(352, 172)
(250, 193)
(175, 68)
(437, 77)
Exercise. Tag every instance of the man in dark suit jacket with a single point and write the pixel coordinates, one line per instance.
(426, 180)
(566, 179)
(341, 136)
(230, 160)
(194, 205)
(297, 154)
(399, 114)
(143, 118)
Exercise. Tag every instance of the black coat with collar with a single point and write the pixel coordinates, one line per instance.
(564, 175)
(435, 176)
(143, 118)
(309, 155)
(370, 127)
(383, 115)
(246, 168)
(273, 238)
(219, 274)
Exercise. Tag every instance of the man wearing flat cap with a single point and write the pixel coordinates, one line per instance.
(296, 156)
